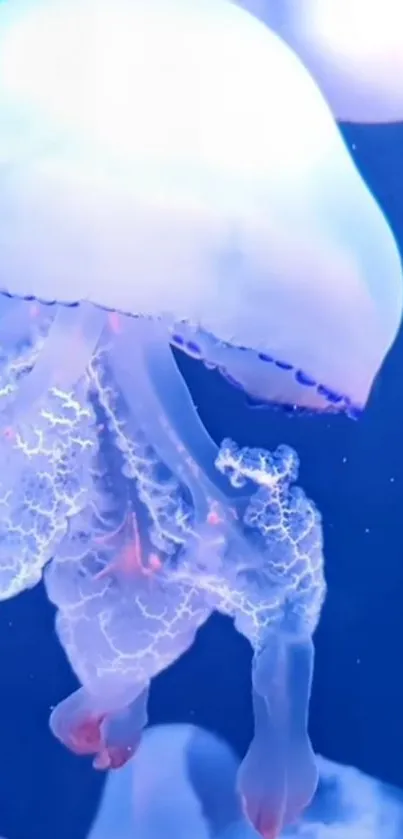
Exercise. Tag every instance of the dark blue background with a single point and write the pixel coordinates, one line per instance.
(354, 472)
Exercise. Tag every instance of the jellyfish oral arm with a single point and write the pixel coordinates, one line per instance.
(108, 727)
(278, 776)
(162, 403)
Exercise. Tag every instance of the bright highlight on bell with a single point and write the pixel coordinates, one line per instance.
(353, 48)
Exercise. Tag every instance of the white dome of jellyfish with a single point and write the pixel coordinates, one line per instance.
(159, 175)
(353, 48)
(182, 783)
(157, 192)
(349, 804)
(192, 794)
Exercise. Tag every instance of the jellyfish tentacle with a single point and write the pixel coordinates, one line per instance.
(121, 732)
(64, 357)
(126, 623)
(23, 331)
(45, 481)
(47, 442)
(302, 771)
(278, 776)
(155, 485)
(123, 616)
(280, 587)
(107, 726)
(269, 578)
(262, 777)
(119, 630)
(163, 407)
(21, 323)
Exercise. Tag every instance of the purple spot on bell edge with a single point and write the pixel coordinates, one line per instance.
(303, 379)
(283, 365)
(192, 347)
(177, 339)
(256, 404)
(330, 395)
(264, 357)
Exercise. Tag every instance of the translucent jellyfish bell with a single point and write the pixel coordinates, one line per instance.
(182, 784)
(349, 805)
(175, 159)
(354, 50)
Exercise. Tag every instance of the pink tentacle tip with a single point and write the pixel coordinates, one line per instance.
(85, 738)
(89, 737)
(266, 824)
(114, 757)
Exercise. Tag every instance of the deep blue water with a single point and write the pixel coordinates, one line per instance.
(354, 472)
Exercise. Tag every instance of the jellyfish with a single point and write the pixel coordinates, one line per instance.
(182, 783)
(353, 49)
(155, 194)
(349, 804)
